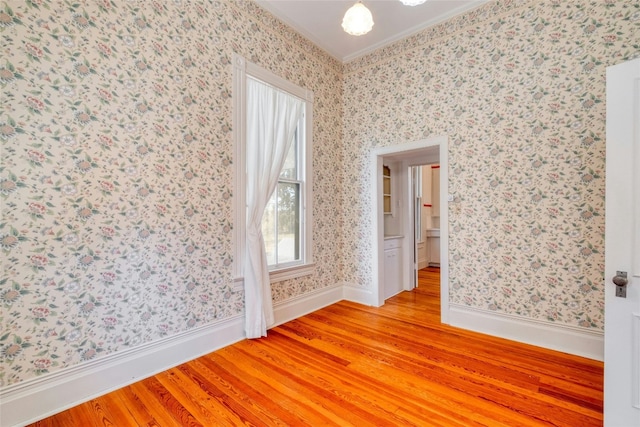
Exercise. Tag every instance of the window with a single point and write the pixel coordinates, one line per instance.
(286, 224)
(282, 224)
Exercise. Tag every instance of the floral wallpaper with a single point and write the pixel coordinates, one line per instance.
(116, 171)
(519, 89)
(116, 167)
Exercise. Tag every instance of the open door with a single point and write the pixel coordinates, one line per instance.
(622, 248)
(416, 209)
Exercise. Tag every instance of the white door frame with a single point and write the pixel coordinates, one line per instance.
(411, 154)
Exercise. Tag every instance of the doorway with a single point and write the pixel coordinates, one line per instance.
(425, 205)
(428, 151)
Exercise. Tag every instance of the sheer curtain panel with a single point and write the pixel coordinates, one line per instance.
(272, 118)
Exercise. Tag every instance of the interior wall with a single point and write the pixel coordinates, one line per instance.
(519, 89)
(116, 172)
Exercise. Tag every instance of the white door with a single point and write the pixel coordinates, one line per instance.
(622, 247)
(418, 227)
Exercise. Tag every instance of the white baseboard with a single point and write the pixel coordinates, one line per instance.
(357, 294)
(564, 338)
(41, 397)
(44, 396)
(305, 304)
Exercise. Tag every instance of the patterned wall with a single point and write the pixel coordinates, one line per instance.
(519, 88)
(116, 173)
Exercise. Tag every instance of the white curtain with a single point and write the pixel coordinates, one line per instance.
(272, 118)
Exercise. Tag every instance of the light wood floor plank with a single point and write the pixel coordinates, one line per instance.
(352, 365)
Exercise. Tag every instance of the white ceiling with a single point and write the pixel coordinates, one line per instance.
(320, 21)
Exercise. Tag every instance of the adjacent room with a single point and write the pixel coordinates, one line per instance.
(234, 212)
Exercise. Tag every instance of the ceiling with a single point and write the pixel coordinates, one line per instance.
(320, 21)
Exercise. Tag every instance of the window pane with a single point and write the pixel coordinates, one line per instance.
(269, 230)
(289, 170)
(288, 222)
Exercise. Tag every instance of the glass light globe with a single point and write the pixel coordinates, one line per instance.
(358, 20)
(412, 2)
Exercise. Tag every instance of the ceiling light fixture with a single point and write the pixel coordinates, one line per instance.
(412, 2)
(358, 20)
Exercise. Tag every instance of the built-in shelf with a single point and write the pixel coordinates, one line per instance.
(392, 236)
(386, 191)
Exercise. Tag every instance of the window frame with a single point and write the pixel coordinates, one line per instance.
(243, 69)
(300, 137)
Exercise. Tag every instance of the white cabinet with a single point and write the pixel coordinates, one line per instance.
(392, 266)
(423, 260)
(433, 247)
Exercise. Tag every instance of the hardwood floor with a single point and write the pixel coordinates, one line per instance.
(352, 365)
